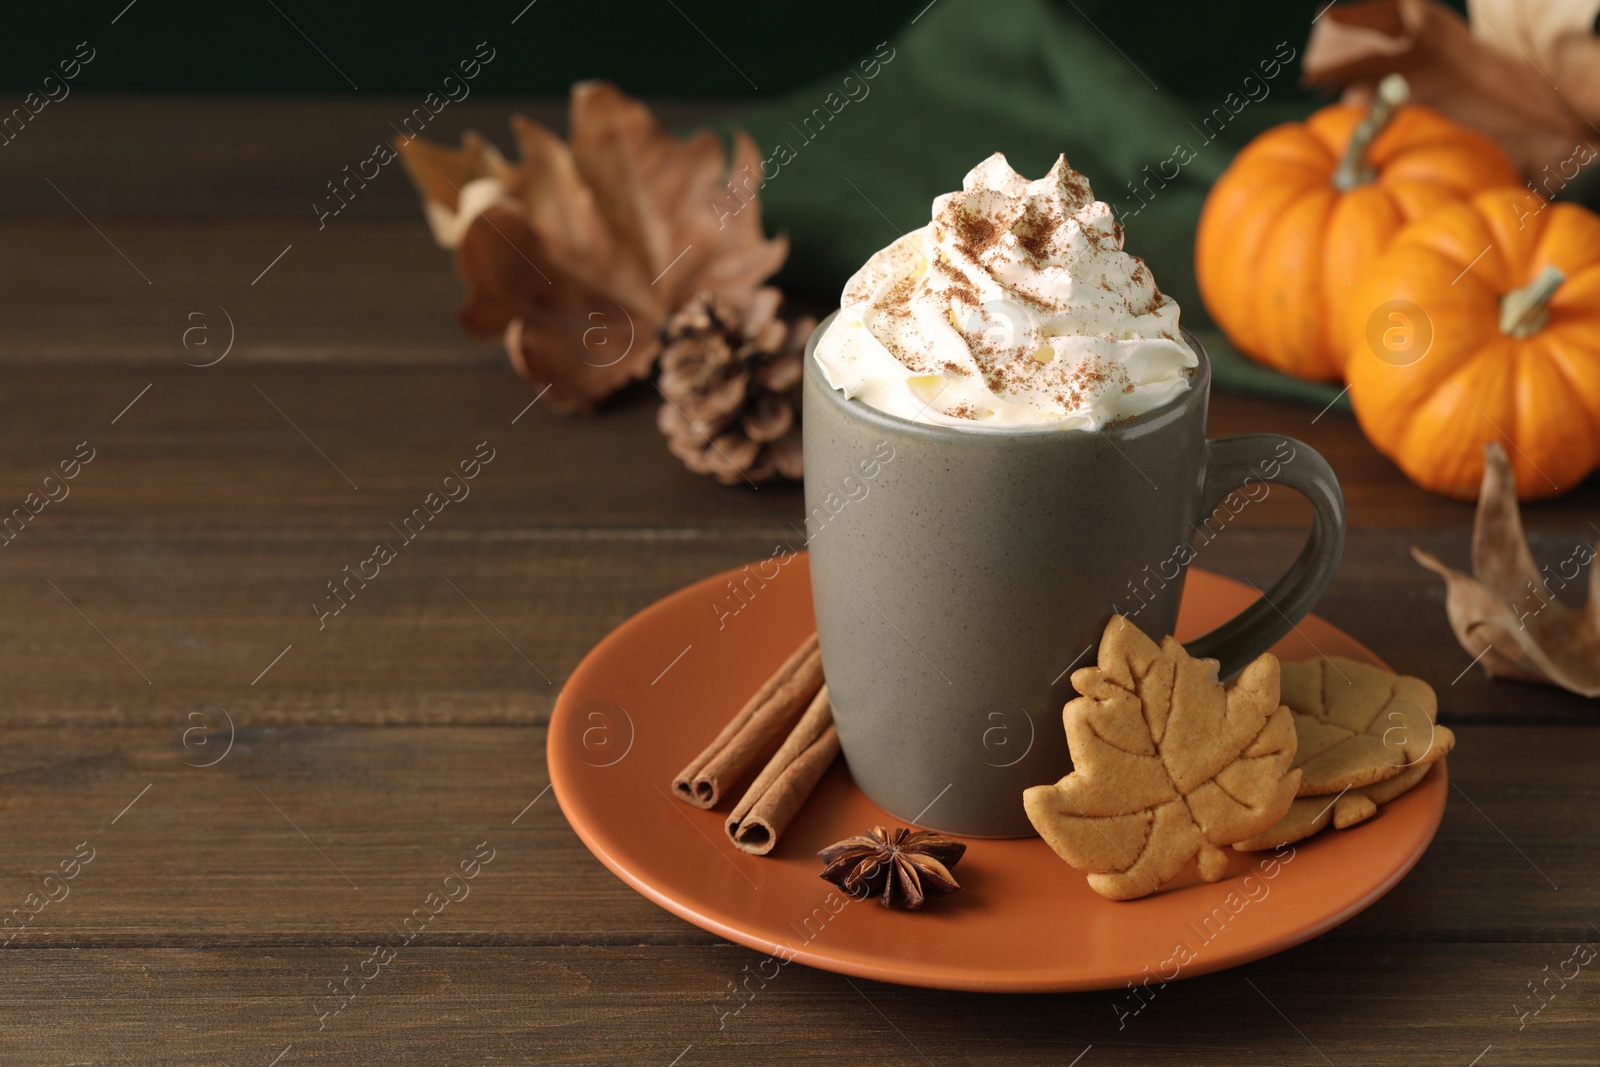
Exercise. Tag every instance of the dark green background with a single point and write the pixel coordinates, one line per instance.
(649, 47)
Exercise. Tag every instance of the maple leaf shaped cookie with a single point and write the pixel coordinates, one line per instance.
(1168, 765)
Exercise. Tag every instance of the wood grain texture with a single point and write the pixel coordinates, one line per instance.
(217, 509)
(1429, 1005)
(327, 835)
(259, 158)
(219, 906)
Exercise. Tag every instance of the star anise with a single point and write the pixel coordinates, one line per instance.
(901, 867)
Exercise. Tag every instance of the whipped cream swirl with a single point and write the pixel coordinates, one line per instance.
(1016, 306)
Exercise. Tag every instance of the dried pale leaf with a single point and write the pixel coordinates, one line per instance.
(442, 176)
(637, 170)
(1467, 603)
(1504, 610)
(583, 352)
(1500, 556)
(1556, 36)
(1474, 74)
(562, 210)
(575, 254)
(1565, 646)
(505, 265)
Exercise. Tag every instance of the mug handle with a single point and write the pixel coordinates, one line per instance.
(1231, 463)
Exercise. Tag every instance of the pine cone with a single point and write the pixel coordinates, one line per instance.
(729, 375)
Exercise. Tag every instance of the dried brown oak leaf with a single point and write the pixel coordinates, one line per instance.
(1505, 612)
(575, 254)
(1168, 765)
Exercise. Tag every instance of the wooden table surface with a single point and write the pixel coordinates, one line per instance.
(169, 595)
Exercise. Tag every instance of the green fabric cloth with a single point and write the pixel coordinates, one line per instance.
(854, 161)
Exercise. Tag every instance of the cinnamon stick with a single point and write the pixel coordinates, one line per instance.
(778, 792)
(750, 734)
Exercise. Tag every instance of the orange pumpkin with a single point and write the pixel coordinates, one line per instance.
(1482, 322)
(1303, 210)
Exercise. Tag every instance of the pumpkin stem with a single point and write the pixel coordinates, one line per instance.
(1524, 312)
(1353, 169)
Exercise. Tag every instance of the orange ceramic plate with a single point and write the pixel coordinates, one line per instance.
(655, 692)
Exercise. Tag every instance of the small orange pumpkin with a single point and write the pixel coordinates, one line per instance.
(1482, 322)
(1303, 210)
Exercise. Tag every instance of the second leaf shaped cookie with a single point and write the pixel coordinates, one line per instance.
(1358, 724)
(1168, 765)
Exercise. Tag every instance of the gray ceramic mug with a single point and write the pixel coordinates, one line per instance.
(959, 575)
